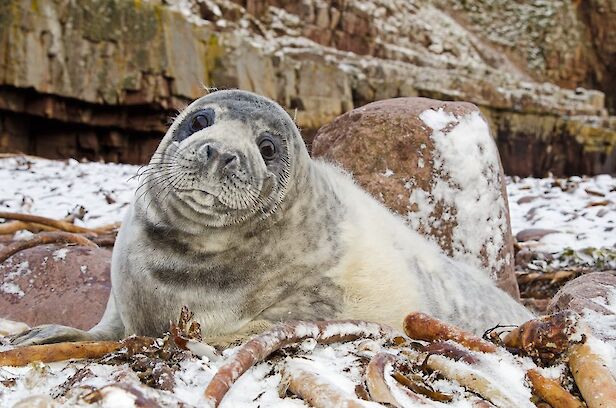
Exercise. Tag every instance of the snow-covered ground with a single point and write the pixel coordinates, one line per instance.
(338, 364)
(574, 219)
(580, 210)
(53, 188)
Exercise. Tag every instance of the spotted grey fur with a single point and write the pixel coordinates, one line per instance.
(246, 244)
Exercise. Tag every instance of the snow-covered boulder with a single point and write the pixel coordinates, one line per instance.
(434, 163)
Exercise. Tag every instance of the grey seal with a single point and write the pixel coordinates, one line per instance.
(235, 220)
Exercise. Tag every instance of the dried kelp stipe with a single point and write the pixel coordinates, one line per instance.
(11, 227)
(545, 338)
(316, 391)
(43, 238)
(261, 346)
(420, 326)
(593, 378)
(377, 373)
(552, 392)
(48, 353)
(474, 381)
(418, 385)
(450, 350)
(49, 222)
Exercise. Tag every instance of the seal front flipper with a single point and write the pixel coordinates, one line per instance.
(50, 333)
(109, 328)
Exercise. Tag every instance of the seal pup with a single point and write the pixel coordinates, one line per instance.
(234, 219)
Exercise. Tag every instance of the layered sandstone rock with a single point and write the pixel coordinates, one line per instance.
(112, 71)
(100, 78)
(56, 284)
(436, 164)
(568, 43)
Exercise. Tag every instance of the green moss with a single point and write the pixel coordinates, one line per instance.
(7, 15)
(115, 20)
(131, 82)
(594, 139)
(212, 57)
(34, 5)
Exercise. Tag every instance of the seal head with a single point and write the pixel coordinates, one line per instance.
(225, 160)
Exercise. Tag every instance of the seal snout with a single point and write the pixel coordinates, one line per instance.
(212, 155)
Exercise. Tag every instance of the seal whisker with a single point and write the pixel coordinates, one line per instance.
(157, 180)
(143, 193)
(171, 188)
(169, 154)
(151, 171)
(170, 151)
(149, 179)
(160, 166)
(168, 186)
(170, 160)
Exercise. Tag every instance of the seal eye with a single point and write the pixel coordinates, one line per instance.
(267, 148)
(202, 120)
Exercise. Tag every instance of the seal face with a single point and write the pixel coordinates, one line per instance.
(225, 160)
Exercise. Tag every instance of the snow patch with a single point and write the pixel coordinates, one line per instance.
(11, 288)
(59, 254)
(388, 173)
(582, 209)
(8, 285)
(466, 159)
(22, 235)
(53, 188)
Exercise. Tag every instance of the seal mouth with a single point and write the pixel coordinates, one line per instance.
(199, 200)
(194, 190)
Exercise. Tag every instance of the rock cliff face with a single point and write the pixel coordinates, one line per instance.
(97, 78)
(100, 78)
(568, 43)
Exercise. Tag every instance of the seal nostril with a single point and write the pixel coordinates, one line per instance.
(206, 152)
(232, 158)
